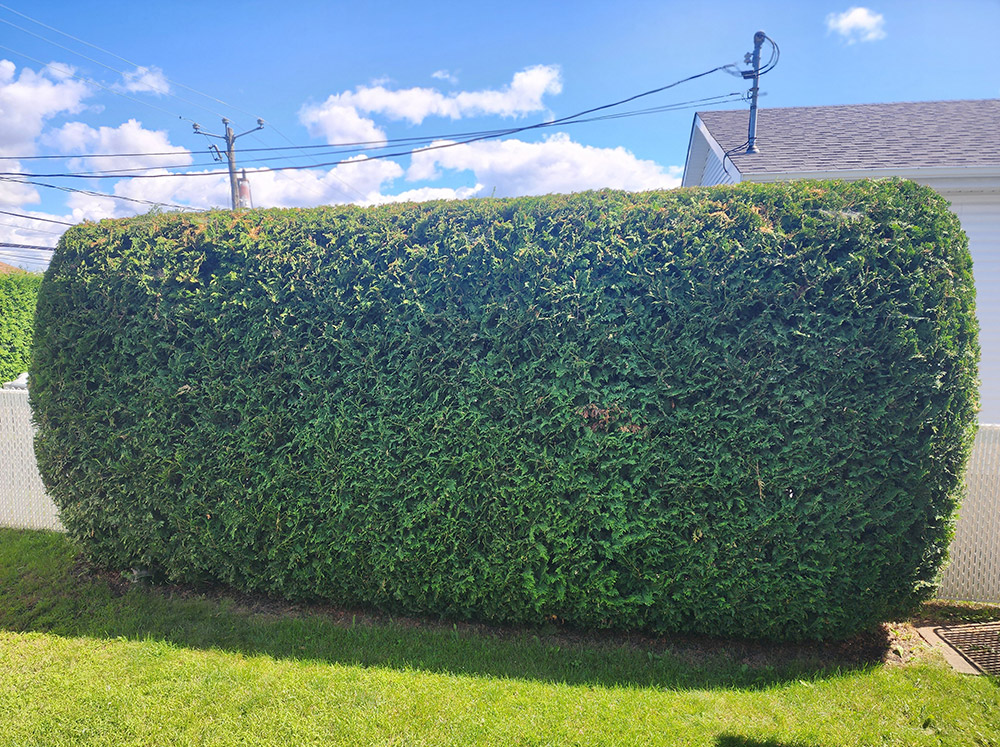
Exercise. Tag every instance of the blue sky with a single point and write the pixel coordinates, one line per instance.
(89, 78)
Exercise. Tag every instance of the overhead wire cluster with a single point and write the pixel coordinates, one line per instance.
(295, 157)
(352, 149)
(773, 60)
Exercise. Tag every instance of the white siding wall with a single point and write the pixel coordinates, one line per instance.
(704, 164)
(980, 217)
(716, 174)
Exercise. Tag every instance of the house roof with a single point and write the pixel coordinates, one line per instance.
(925, 134)
(6, 268)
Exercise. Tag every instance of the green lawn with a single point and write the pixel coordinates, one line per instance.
(81, 663)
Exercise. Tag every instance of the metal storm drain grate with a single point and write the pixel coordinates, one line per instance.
(979, 643)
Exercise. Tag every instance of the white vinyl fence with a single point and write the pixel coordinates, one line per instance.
(972, 575)
(23, 502)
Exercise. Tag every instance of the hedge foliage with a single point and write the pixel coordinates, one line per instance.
(18, 293)
(741, 411)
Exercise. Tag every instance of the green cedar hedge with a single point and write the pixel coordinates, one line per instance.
(742, 411)
(18, 292)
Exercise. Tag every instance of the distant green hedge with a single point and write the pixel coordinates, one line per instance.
(741, 411)
(18, 292)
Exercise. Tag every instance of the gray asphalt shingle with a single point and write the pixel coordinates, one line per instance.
(863, 136)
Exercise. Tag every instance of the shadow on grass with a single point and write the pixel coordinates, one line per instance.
(732, 740)
(43, 590)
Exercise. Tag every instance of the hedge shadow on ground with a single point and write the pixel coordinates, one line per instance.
(734, 740)
(44, 588)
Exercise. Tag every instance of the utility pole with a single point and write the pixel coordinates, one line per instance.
(758, 41)
(230, 139)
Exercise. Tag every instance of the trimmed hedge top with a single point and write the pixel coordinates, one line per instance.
(742, 411)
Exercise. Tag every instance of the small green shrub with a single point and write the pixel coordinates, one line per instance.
(18, 292)
(742, 411)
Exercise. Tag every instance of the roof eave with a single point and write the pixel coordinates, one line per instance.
(698, 128)
(690, 152)
(950, 178)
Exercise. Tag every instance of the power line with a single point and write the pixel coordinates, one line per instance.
(100, 194)
(122, 73)
(775, 56)
(711, 100)
(111, 54)
(135, 172)
(435, 144)
(317, 146)
(61, 156)
(8, 245)
(93, 82)
(311, 186)
(37, 264)
(356, 146)
(137, 66)
(29, 228)
(568, 119)
(127, 61)
(32, 217)
(15, 256)
(474, 137)
(375, 145)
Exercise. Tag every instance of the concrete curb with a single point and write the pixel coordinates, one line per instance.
(958, 662)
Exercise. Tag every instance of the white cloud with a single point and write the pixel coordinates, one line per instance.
(91, 207)
(28, 99)
(129, 137)
(857, 24)
(501, 168)
(145, 80)
(424, 194)
(23, 230)
(358, 181)
(340, 123)
(522, 96)
(340, 118)
(514, 167)
(191, 191)
(60, 70)
(17, 230)
(13, 193)
(445, 76)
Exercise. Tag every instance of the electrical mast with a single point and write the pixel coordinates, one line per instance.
(758, 41)
(230, 139)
